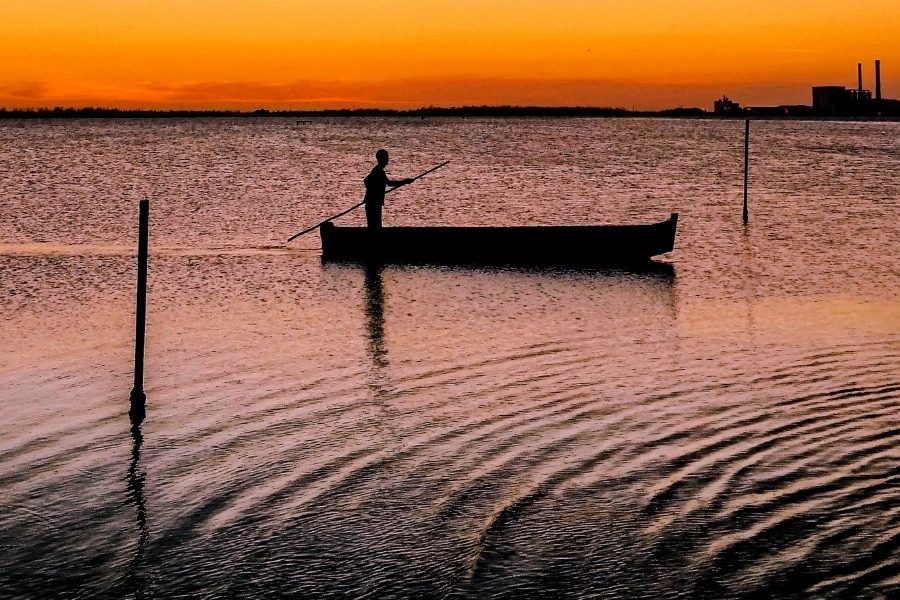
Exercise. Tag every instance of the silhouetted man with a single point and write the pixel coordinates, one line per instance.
(376, 184)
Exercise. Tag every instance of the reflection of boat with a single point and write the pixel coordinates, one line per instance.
(537, 245)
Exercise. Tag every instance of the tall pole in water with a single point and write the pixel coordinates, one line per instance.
(746, 166)
(138, 397)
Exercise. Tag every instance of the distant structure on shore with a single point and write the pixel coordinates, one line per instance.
(827, 101)
(726, 107)
(838, 100)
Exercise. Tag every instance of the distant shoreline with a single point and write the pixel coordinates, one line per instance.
(309, 116)
(463, 111)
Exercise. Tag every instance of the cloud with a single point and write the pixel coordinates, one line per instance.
(401, 93)
(242, 91)
(33, 90)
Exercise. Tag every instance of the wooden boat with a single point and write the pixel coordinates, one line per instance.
(533, 245)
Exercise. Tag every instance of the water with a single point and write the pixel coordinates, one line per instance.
(726, 429)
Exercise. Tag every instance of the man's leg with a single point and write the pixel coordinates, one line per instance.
(373, 216)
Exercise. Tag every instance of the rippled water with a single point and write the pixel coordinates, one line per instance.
(723, 428)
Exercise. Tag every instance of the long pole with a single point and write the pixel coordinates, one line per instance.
(138, 397)
(341, 214)
(746, 166)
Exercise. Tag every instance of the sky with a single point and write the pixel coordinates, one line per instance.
(314, 54)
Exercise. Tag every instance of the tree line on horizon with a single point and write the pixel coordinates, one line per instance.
(454, 111)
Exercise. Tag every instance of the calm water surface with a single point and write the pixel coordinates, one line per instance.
(722, 427)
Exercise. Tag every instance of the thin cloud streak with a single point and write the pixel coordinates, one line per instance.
(409, 93)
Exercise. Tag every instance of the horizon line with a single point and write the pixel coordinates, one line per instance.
(424, 111)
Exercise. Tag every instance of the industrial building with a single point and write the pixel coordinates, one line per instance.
(837, 100)
(827, 100)
(724, 106)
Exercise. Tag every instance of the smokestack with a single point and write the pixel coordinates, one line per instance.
(878, 81)
(859, 76)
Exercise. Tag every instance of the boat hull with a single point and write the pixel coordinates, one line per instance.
(533, 245)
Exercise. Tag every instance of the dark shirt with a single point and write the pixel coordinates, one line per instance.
(376, 184)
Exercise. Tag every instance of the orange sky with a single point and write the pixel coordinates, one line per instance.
(277, 54)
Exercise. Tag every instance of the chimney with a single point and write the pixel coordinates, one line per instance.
(878, 81)
(859, 77)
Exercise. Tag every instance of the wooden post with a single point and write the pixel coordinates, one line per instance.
(138, 398)
(746, 166)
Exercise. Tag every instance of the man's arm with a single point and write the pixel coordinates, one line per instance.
(398, 182)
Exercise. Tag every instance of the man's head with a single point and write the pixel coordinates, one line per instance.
(382, 157)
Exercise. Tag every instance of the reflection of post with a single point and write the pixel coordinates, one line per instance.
(748, 281)
(135, 582)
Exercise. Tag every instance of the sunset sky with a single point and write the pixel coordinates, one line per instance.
(279, 54)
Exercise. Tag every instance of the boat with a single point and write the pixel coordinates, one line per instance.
(583, 245)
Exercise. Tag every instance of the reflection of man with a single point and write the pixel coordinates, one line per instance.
(376, 182)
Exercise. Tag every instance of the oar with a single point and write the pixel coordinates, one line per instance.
(341, 214)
